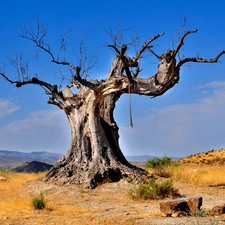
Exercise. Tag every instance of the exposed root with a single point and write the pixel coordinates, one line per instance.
(96, 175)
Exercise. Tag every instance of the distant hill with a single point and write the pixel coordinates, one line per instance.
(10, 159)
(212, 157)
(33, 167)
(140, 158)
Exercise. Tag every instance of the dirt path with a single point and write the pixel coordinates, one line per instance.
(107, 204)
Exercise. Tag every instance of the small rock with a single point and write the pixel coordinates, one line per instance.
(194, 204)
(3, 178)
(186, 205)
(217, 210)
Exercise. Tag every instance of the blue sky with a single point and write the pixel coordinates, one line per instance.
(186, 120)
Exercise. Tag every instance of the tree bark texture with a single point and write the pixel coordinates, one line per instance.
(94, 156)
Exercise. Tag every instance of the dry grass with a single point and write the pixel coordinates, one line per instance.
(10, 190)
(202, 169)
(213, 157)
(199, 175)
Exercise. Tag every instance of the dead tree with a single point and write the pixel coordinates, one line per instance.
(94, 156)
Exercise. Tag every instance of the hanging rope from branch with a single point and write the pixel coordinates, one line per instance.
(130, 105)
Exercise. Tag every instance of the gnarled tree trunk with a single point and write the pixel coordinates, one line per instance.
(94, 156)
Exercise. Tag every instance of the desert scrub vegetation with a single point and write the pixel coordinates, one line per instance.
(199, 175)
(39, 202)
(154, 190)
(161, 166)
(199, 213)
(11, 188)
(185, 173)
(158, 162)
(202, 174)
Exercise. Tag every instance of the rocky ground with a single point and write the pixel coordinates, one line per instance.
(107, 204)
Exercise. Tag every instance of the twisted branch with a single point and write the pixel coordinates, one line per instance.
(201, 60)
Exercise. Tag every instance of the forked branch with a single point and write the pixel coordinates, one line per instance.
(181, 41)
(146, 45)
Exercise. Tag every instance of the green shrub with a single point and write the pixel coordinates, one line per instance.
(199, 213)
(39, 203)
(161, 166)
(158, 162)
(154, 191)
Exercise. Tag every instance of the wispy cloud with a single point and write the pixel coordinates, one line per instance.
(7, 107)
(42, 118)
(213, 84)
(179, 130)
(44, 130)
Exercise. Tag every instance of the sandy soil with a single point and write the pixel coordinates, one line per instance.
(107, 204)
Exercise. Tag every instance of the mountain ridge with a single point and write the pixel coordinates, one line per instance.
(33, 167)
(10, 159)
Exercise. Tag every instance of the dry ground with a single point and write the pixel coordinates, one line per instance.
(107, 204)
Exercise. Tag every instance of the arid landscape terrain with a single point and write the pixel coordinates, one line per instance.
(110, 203)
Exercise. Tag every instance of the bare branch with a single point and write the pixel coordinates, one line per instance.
(93, 86)
(137, 71)
(21, 67)
(117, 36)
(63, 46)
(6, 78)
(183, 20)
(126, 63)
(146, 45)
(35, 80)
(51, 88)
(86, 63)
(201, 60)
(157, 56)
(181, 41)
(38, 38)
(115, 48)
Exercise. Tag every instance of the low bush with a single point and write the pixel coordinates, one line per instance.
(39, 203)
(154, 191)
(161, 166)
(158, 162)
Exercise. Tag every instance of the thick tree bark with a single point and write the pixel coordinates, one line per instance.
(94, 156)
